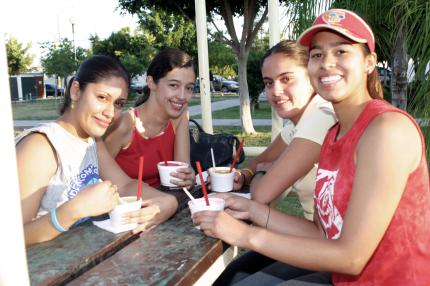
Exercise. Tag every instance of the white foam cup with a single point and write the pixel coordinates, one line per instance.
(221, 179)
(128, 204)
(198, 205)
(164, 171)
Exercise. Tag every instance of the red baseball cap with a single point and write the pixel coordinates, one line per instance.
(345, 23)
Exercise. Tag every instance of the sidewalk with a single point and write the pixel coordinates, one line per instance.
(215, 106)
(216, 122)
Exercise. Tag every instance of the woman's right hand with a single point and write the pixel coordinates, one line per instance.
(97, 199)
(236, 206)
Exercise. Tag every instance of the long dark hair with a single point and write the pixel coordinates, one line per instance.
(93, 70)
(165, 61)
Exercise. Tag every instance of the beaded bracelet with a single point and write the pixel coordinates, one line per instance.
(248, 170)
(55, 222)
(251, 175)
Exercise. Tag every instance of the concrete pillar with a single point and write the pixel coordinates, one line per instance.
(13, 262)
(202, 48)
(274, 38)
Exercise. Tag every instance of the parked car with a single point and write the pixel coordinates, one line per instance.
(50, 90)
(137, 87)
(196, 88)
(225, 85)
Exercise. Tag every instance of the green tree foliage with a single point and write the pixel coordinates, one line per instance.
(166, 29)
(134, 51)
(59, 58)
(18, 59)
(222, 60)
(253, 13)
(255, 80)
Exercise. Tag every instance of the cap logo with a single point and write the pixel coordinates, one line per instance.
(333, 17)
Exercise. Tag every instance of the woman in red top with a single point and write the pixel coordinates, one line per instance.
(159, 120)
(372, 197)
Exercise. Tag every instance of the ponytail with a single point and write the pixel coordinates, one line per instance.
(67, 98)
(374, 86)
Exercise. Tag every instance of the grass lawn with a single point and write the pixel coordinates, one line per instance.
(41, 109)
(290, 204)
(262, 136)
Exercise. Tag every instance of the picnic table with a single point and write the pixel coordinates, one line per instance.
(173, 253)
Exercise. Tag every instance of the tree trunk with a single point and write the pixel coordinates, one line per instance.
(245, 103)
(399, 76)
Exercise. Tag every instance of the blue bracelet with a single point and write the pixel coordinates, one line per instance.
(55, 222)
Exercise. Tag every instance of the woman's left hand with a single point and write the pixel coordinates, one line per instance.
(223, 226)
(186, 177)
(146, 217)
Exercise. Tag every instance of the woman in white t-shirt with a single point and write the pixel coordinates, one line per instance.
(290, 161)
(60, 164)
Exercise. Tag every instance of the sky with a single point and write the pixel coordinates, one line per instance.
(48, 20)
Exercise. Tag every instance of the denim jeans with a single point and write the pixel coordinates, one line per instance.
(252, 268)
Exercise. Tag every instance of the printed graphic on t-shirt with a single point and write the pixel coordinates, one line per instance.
(329, 215)
(87, 176)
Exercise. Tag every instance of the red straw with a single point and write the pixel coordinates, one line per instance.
(161, 153)
(205, 194)
(140, 176)
(237, 155)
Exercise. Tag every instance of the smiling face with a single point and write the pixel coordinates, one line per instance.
(338, 67)
(287, 85)
(97, 105)
(173, 91)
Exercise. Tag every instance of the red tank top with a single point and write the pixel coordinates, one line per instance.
(128, 158)
(403, 255)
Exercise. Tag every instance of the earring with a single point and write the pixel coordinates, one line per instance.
(72, 105)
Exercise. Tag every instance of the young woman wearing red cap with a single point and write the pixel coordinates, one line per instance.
(372, 196)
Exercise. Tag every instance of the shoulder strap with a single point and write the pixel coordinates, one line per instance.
(197, 125)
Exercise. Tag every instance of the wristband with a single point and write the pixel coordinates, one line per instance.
(260, 172)
(55, 222)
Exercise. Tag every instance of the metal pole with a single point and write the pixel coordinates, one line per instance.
(202, 48)
(274, 38)
(13, 262)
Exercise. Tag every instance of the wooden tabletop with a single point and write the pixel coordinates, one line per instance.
(66, 256)
(173, 253)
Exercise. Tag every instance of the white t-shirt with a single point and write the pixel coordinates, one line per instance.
(313, 125)
(77, 165)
